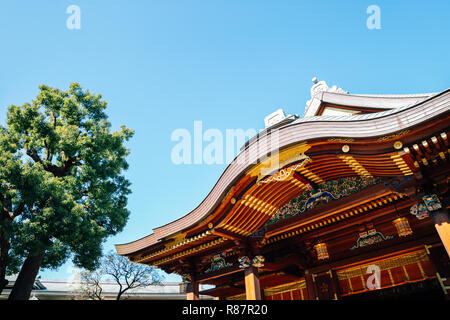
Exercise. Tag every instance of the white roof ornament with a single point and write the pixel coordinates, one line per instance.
(274, 118)
(316, 91)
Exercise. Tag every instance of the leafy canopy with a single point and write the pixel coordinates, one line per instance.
(61, 177)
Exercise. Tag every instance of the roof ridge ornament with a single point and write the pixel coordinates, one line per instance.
(316, 95)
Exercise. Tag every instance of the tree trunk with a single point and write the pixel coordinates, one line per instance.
(4, 248)
(121, 292)
(27, 275)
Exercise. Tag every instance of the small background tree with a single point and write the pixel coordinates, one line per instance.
(128, 275)
(90, 285)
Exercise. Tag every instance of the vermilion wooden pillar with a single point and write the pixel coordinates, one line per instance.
(441, 263)
(192, 291)
(252, 288)
(310, 286)
(441, 221)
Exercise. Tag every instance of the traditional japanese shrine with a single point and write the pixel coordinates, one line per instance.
(349, 201)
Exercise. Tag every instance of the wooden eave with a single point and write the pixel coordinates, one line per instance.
(239, 206)
(369, 199)
(187, 245)
(377, 196)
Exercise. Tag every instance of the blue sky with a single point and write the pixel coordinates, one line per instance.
(163, 64)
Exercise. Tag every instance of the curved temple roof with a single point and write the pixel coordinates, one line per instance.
(372, 101)
(293, 139)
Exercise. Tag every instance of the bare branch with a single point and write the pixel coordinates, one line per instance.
(128, 275)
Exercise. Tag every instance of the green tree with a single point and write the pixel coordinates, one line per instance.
(62, 188)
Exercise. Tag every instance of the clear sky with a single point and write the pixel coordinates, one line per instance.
(163, 64)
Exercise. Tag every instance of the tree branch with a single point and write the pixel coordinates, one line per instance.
(54, 119)
(18, 210)
(33, 155)
(50, 167)
(49, 154)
